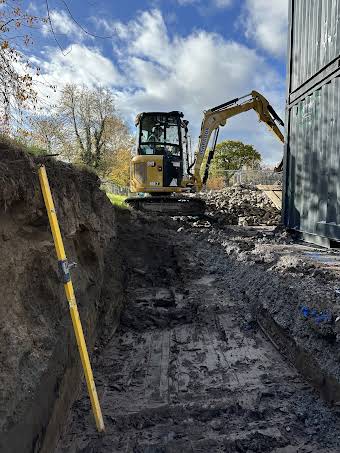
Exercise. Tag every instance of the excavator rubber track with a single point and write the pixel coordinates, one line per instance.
(165, 205)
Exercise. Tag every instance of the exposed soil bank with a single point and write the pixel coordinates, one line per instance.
(189, 370)
(40, 372)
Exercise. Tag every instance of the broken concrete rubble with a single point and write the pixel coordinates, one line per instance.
(241, 205)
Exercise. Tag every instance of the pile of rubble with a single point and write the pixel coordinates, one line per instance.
(241, 205)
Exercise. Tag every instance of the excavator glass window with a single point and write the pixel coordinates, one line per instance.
(160, 134)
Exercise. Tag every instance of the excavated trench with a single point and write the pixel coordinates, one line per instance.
(177, 319)
(189, 369)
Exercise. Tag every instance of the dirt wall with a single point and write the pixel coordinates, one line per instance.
(40, 372)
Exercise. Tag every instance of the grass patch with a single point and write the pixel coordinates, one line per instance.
(117, 200)
(35, 151)
(32, 150)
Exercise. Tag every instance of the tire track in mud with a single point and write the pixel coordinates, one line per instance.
(189, 371)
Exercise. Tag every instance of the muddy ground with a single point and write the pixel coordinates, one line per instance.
(190, 369)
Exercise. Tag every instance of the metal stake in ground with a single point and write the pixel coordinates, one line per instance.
(65, 272)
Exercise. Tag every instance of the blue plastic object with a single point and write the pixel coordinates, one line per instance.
(319, 317)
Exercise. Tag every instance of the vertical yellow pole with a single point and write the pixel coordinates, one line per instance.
(64, 268)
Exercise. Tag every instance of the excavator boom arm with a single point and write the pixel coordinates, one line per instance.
(218, 116)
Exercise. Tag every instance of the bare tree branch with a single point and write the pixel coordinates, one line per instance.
(89, 115)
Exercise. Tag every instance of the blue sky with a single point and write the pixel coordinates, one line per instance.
(184, 55)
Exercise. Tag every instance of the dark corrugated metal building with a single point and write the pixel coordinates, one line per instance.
(312, 150)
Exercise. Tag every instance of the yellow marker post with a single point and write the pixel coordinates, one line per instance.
(64, 268)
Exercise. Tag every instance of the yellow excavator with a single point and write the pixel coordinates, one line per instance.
(161, 173)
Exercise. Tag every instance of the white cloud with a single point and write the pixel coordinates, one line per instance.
(78, 64)
(203, 3)
(194, 73)
(222, 3)
(63, 24)
(81, 64)
(266, 23)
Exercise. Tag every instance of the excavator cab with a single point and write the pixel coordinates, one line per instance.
(157, 166)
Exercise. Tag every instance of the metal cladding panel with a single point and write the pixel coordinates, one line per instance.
(314, 38)
(312, 186)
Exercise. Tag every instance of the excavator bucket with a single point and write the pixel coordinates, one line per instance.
(174, 205)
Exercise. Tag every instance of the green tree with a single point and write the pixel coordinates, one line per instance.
(230, 156)
(235, 155)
